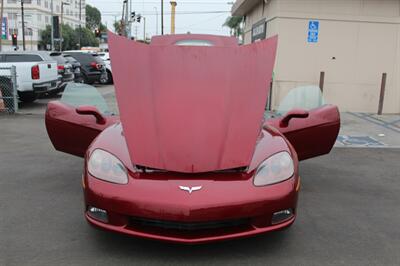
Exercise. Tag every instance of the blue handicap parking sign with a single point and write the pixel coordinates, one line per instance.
(313, 31)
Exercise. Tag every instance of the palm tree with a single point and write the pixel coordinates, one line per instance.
(235, 23)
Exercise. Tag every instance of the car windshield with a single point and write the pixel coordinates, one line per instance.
(77, 94)
(194, 43)
(98, 59)
(59, 58)
(304, 97)
(70, 59)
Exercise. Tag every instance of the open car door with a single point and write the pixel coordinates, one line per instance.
(75, 121)
(307, 122)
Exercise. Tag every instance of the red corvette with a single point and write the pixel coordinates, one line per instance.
(191, 158)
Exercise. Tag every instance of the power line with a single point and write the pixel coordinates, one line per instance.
(114, 13)
(180, 2)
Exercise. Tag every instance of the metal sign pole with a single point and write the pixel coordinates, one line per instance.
(14, 86)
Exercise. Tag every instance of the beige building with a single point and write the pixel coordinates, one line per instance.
(352, 41)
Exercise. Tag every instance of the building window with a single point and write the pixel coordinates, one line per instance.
(12, 16)
(39, 2)
(46, 20)
(46, 4)
(39, 17)
(11, 1)
(13, 31)
(28, 32)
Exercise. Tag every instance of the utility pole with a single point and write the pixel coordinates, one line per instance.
(52, 25)
(80, 24)
(130, 23)
(123, 31)
(136, 31)
(62, 22)
(23, 24)
(156, 20)
(127, 19)
(1, 28)
(162, 17)
(173, 7)
(144, 29)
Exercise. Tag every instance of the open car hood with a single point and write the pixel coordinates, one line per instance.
(191, 109)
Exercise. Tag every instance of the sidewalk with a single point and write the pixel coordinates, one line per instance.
(369, 130)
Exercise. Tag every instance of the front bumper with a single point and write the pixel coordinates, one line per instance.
(158, 209)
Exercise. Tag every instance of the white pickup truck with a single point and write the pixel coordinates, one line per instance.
(37, 72)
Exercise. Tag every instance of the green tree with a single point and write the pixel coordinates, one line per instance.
(235, 24)
(71, 38)
(93, 18)
(45, 37)
(117, 27)
(88, 38)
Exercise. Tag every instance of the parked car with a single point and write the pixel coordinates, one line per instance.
(76, 67)
(106, 58)
(37, 72)
(65, 71)
(92, 66)
(191, 158)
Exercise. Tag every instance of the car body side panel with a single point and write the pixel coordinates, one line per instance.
(190, 109)
(71, 132)
(312, 136)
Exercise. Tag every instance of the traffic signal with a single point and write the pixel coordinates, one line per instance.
(14, 39)
(139, 18)
(97, 33)
(56, 27)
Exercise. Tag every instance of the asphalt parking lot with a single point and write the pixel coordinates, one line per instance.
(348, 211)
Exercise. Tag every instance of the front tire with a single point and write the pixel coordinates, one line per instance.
(110, 77)
(87, 81)
(104, 79)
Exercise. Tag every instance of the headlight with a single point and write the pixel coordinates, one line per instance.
(107, 167)
(275, 169)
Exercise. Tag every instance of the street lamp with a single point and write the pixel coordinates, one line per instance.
(62, 22)
(155, 8)
(162, 17)
(52, 25)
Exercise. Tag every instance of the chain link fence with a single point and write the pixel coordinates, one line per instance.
(8, 90)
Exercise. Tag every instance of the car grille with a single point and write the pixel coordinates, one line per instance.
(188, 226)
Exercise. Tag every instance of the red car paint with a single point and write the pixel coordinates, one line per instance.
(156, 196)
(71, 132)
(152, 205)
(314, 135)
(190, 106)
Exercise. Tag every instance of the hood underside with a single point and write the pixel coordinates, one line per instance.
(191, 109)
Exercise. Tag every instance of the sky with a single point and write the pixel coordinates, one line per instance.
(193, 16)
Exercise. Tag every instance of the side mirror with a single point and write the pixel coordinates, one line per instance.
(91, 110)
(295, 113)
